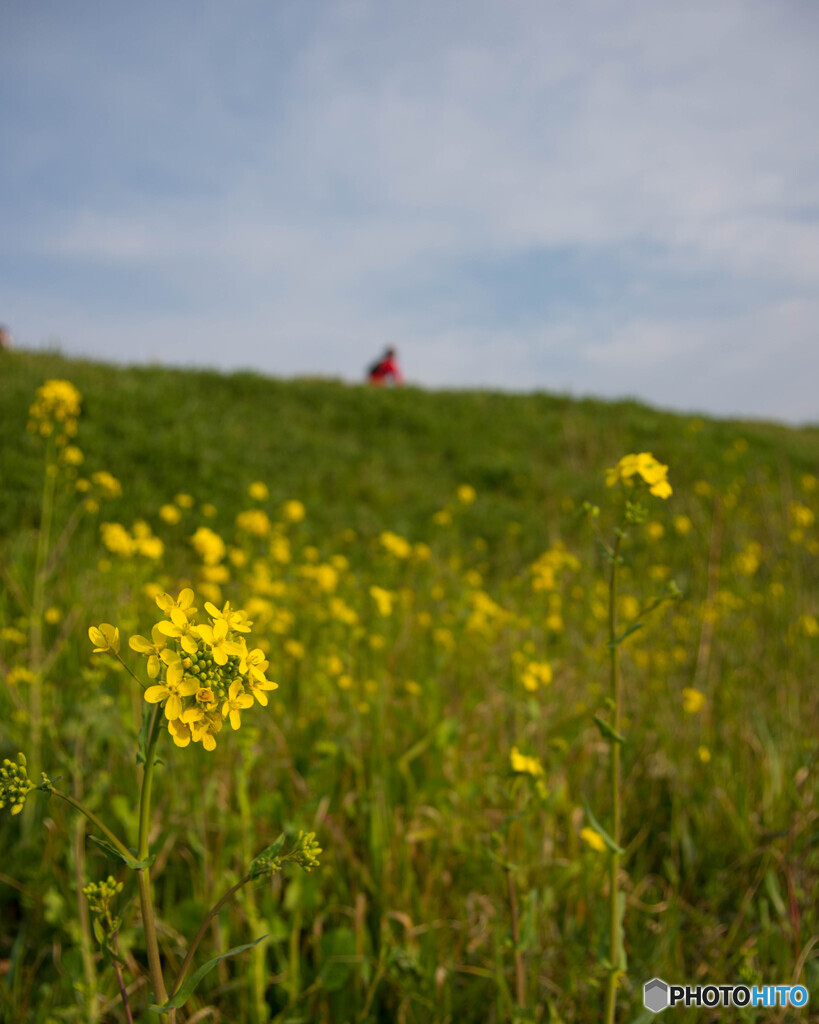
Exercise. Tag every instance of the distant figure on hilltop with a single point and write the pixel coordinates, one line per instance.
(386, 368)
(5, 338)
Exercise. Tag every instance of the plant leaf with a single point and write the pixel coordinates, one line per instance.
(607, 732)
(610, 843)
(187, 990)
(259, 862)
(132, 862)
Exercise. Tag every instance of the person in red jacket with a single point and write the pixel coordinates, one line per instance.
(386, 368)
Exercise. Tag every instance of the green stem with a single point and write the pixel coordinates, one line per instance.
(260, 1010)
(38, 607)
(183, 970)
(614, 863)
(86, 942)
(143, 874)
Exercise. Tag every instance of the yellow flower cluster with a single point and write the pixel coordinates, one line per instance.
(396, 545)
(524, 764)
(593, 838)
(209, 546)
(645, 466)
(383, 598)
(140, 541)
(693, 700)
(535, 675)
(56, 407)
(205, 671)
(293, 511)
(254, 521)
(551, 563)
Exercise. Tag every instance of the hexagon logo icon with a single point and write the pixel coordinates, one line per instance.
(655, 995)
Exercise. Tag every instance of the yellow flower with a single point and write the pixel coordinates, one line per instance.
(105, 638)
(216, 638)
(683, 525)
(466, 494)
(810, 627)
(593, 838)
(180, 732)
(13, 635)
(254, 521)
(237, 701)
(254, 665)
(523, 764)
(693, 700)
(146, 543)
(293, 511)
(170, 514)
(535, 675)
(203, 726)
(208, 545)
(181, 628)
(184, 602)
(383, 598)
(258, 491)
(236, 620)
(175, 687)
(184, 500)
(644, 465)
(801, 515)
(56, 406)
(151, 650)
(295, 649)
(117, 539)
(52, 615)
(72, 456)
(20, 674)
(395, 545)
(704, 754)
(108, 484)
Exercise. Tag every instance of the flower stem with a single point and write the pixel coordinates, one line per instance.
(38, 607)
(143, 874)
(214, 910)
(615, 938)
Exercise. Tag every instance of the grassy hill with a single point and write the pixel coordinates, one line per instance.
(364, 457)
(439, 625)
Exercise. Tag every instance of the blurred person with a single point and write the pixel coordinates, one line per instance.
(5, 337)
(386, 368)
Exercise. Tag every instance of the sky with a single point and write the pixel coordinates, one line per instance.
(603, 197)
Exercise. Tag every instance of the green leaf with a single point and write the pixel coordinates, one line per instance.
(259, 862)
(610, 843)
(187, 990)
(607, 732)
(132, 862)
(619, 639)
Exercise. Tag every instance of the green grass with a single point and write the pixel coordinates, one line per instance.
(433, 846)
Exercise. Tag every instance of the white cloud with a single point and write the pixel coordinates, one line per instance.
(291, 170)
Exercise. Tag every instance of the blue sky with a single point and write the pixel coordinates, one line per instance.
(603, 197)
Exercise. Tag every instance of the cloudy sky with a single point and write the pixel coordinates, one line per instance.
(609, 197)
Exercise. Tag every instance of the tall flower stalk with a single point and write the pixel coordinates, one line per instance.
(634, 473)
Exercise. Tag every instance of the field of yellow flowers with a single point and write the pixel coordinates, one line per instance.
(468, 717)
